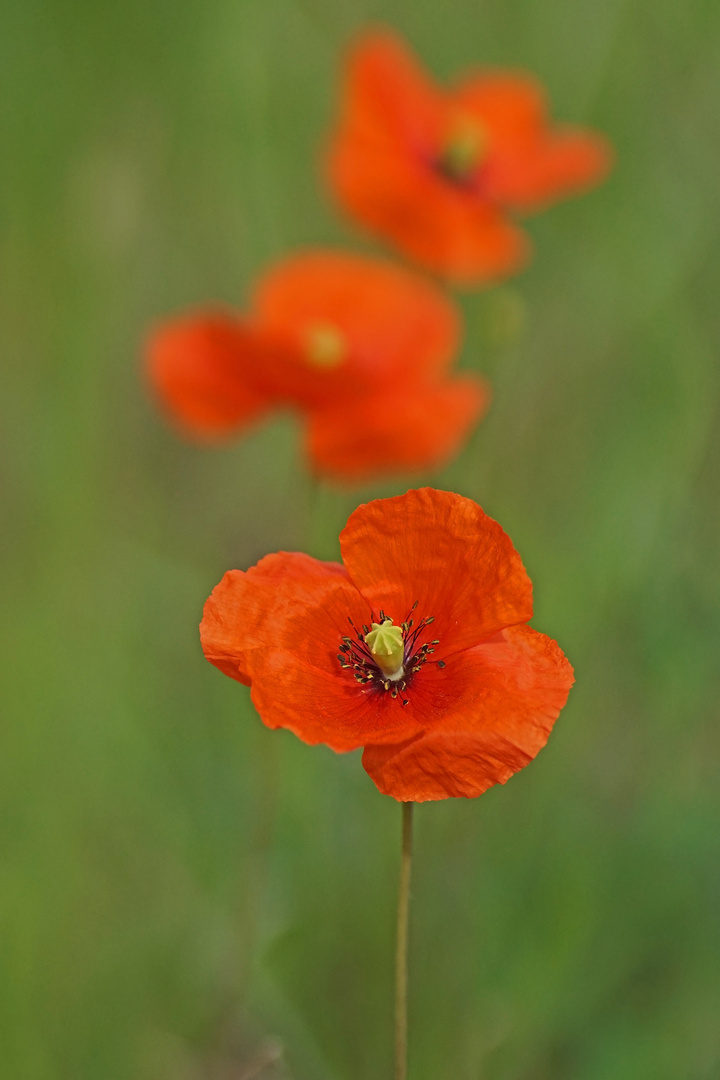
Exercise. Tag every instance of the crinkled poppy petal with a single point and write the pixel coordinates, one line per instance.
(279, 628)
(444, 552)
(387, 95)
(494, 708)
(201, 369)
(447, 227)
(391, 324)
(409, 430)
(436, 766)
(242, 611)
(315, 698)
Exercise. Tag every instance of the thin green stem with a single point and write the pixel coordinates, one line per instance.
(401, 954)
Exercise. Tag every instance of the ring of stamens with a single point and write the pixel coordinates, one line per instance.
(355, 654)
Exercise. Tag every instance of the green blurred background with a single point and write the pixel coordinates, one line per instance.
(187, 896)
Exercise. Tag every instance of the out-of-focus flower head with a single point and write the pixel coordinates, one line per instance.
(415, 647)
(360, 347)
(440, 173)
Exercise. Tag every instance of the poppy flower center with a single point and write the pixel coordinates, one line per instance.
(387, 657)
(325, 345)
(387, 648)
(464, 150)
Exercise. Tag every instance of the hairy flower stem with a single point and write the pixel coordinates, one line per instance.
(401, 954)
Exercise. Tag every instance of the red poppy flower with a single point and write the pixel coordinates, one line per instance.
(416, 648)
(361, 347)
(436, 171)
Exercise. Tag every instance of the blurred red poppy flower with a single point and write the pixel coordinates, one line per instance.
(436, 171)
(416, 648)
(360, 347)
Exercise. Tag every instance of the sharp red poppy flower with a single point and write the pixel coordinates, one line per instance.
(415, 648)
(360, 347)
(438, 172)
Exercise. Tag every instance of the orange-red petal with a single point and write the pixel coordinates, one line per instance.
(388, 96)
(443, 551)
(199, 367)
(394, 325)
(240, 613)
(411, 429)
(510, 106)
(279, 628)
(564, 162)
(490, 712)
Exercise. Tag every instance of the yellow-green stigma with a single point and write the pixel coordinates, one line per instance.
(387, 648)
(463, 151)
(325, 345)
